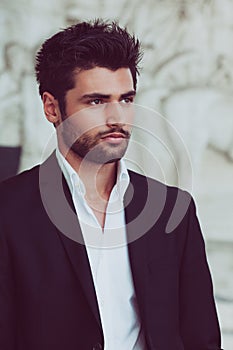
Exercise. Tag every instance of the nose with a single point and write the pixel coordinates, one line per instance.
(115, 114)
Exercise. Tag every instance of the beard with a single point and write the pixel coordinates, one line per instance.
(93, 148)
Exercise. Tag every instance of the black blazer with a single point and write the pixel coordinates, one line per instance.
(47, 296)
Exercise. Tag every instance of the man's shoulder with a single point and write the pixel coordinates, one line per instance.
(172, 201)
(145, 182)
(26, 181)
(19, 185)
(160, 202)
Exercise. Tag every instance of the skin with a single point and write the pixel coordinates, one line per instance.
(94, 133)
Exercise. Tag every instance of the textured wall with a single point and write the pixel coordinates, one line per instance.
(187, 76)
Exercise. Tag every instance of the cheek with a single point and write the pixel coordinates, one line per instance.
(86, 121)
(130, 118)
(92, 118)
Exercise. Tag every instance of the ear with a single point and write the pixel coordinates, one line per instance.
(51, 108)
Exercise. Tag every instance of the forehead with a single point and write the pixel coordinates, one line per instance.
(103, 80)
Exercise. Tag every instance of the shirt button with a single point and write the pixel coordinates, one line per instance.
(97, 346)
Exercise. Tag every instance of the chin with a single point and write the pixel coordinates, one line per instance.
(99, 159)
(115, 160)
(101, 155)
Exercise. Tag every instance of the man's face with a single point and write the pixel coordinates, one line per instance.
(99, 114)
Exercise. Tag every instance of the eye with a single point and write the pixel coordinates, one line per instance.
(96, 101)
(128, 100)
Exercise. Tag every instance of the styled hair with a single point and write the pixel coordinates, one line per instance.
(84, 46)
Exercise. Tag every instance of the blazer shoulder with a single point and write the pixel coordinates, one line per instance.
(173, 203)
(172, 191)
(19, 186)
(28, 180)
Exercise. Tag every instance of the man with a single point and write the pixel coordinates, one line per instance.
(85, 258)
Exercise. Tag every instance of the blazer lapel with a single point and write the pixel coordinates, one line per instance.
(58, 204)
(144, 203)
(137, 245)
(79, 260)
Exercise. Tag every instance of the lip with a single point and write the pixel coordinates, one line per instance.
(114, 135)
(114, 138)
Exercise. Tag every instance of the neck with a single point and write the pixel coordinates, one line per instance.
(98, 179)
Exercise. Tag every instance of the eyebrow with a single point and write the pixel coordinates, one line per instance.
(104, 96)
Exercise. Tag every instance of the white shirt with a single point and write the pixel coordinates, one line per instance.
(109, 261)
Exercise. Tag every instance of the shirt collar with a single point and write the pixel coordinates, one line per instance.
(123, 180)
(72, 178)
(74, 182)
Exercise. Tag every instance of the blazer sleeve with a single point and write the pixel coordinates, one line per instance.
(198, 317)
(7, 308)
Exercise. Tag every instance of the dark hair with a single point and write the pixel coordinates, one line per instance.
(85, 45)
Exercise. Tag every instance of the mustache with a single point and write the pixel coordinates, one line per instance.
(117, 129)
